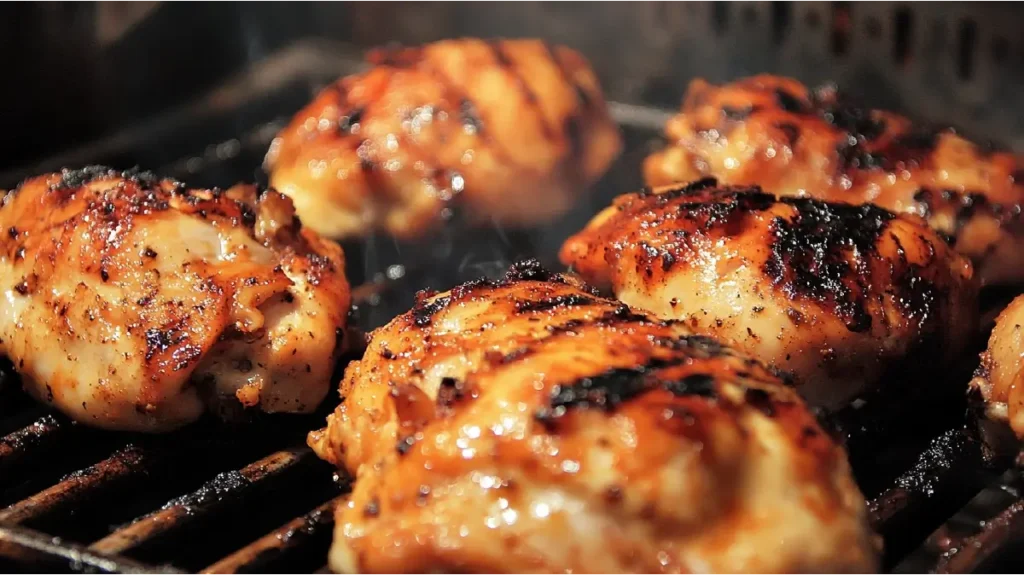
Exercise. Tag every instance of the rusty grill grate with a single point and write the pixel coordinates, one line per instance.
(252, 498)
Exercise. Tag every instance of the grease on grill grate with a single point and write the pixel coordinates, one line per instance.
(252, 497)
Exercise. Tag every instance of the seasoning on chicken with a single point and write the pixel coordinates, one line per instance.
(837, 294)
(131, 302)
(507, 131)
(775, 133)
(999, 379)
(528, 425)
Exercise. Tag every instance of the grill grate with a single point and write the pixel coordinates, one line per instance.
(252, 498)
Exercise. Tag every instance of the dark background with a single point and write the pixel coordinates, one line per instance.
(77, 72)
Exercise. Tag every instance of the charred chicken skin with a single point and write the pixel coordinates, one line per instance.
(836, 294)
(134, 303)
(1000, 378)
(775, 133)
(510, 131)
(526, 424)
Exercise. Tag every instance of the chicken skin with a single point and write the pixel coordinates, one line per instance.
(507, 131)
(526, 425)
(134, 303)
(836, 294)
(1000, 378)
(775, 133)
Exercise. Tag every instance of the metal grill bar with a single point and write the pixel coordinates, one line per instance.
(42, 435)
(31, 546)
(288, 536)
(125, 463)
(202, 501)
(976, 533)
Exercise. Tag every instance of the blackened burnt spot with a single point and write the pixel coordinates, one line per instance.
(616, 386)
(450, 393)
(691, 188)
(160, 340)
(857, 122)
(760, 400)
(700, 384)
(789, 102)
(924, 198)
(570, 325)
(19, 254)
(146, 179)
(405, 444)
(699, 346)
(423, 313)
(853, 155)
(72, 179)
(621, 315)
(819, 254)
(348, 121)
(249, 215)
(529, 269)
(12, 232)
(915, 294)
(969, 204)
(791, 131)
(667, 260)
(526, 306)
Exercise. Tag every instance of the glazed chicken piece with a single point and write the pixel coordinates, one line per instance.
(837, 294)
(775, 133)
(999, 379)
(526, 425)
(507, 131)
(133, 303)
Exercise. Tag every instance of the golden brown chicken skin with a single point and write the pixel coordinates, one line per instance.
(999, 379)
(834, 293)
(508, 131)
(132, 302)
(775, 133)
(528, 425)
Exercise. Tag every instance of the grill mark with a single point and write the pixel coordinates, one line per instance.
(609, 390)
(423, 312)
(691, 188)
(351, 119)
(453, 93)
(572, 126)
(506, 63)
(808, 257)
(566, 300)
(789, 102)
(75, 179)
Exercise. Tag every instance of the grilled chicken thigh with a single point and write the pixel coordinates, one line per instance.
(527, 424)
(1000, 377)
(834, 293)
(509, 131)
(131, 302)
(775, 133)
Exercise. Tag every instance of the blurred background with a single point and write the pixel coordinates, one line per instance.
(76, 73)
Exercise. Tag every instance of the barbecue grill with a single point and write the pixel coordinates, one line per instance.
(251, 497)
